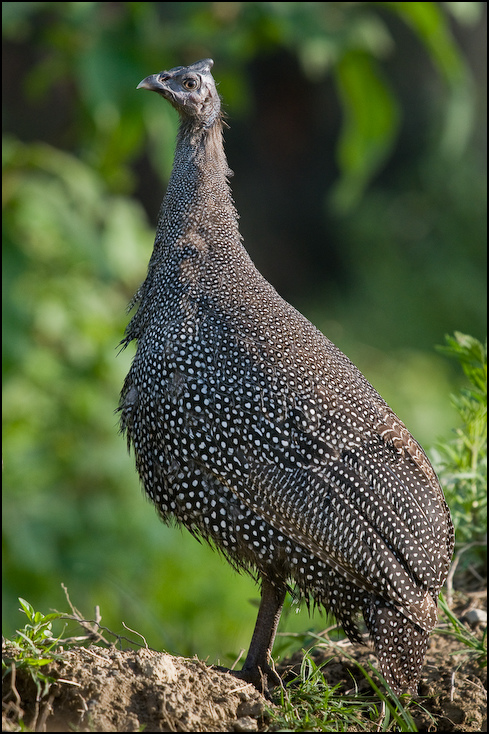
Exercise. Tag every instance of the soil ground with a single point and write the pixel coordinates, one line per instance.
(104, 689)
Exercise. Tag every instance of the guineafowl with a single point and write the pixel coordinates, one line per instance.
(253, 431)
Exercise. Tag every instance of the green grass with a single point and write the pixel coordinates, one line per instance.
(472, 646)
(309, 703)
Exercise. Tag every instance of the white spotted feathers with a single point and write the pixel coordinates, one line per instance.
(251, 429)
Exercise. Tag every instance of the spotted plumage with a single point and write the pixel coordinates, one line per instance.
(252, 430)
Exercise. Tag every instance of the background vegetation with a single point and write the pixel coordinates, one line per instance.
(357, 136)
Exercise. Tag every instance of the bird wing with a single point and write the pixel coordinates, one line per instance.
(366, 508)
(342, 518)
(319, 456)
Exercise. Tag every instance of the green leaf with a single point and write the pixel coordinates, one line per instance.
(371, 121)
(430, 24)
(28, 609)
(37, 662)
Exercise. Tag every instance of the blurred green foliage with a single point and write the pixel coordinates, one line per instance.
(76, 242)
(98, 47)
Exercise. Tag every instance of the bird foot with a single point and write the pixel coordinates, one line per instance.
(264, 678)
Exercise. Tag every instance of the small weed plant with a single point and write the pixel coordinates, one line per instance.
(461, 461)
(34, 647)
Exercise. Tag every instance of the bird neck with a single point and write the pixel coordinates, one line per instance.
(198, 209)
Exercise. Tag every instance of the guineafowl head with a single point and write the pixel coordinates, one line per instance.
(190, 89)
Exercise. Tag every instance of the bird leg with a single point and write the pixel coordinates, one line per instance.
(257, 669)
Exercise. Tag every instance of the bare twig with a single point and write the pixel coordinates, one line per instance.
(46, 710)
(241, 653)
(136, 633)
(13, 708)
(13, 687)
(69, 682)
(92, 627)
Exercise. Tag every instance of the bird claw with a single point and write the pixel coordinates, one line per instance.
(263, 678)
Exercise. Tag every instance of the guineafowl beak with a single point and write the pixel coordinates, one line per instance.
(151, 82)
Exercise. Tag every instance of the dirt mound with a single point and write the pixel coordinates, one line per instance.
(105, 689)
(101, 689)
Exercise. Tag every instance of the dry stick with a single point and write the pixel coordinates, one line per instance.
(241, 653)
(136, 633)
(92, 626)
(15, 706)
(93, 632)
(13, 686)
(35, 716)
(47, 709)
